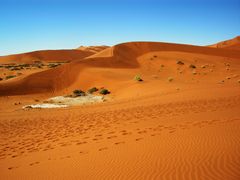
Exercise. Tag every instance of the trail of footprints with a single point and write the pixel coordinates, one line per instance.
(50, 133)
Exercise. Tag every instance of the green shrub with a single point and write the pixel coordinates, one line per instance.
(192, 66)
(180, 63)
(78, 92)
(138, 78)
(53, 65)
(92, 90)
(104, 91)
(10, 76)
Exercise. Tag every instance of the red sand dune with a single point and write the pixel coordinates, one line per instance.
(120, 56)
(93, 49)
(183, 129)
(46, 55)
(229, 44)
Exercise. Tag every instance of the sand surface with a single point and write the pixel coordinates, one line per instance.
(183, 128)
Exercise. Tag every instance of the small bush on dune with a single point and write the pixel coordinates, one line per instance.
(104, 91)
(138, 78)
(170, 79)
(192, 66)
(78, 92)
(1, 79)
(10, 76)
(92, 90)
(180, 63)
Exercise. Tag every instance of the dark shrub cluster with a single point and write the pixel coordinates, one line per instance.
(78, 92)
(104, 91)
(180, 62)
(192, 66)
(92, 90)
(10, 76)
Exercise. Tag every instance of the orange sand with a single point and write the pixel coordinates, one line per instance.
(184, 129)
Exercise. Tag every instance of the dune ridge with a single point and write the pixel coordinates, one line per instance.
(120, 56)
(228, 44)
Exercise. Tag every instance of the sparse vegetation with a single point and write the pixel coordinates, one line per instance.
(53, 65)
(78, 92)
(204, 66)
(92, 90)
(180, 62)
(1, 79)
(10, 76)
(170, 79)
(138, 78)
(104, 91)
(192, 66)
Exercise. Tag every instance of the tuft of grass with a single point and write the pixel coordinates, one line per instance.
(104, 91)
(92, 90)
(194, 72)
(53, 65)
(138, 78)
(1, 79)
(192, 66)
(78, 92)
(10, 76)
(170, 79)
(180, 62)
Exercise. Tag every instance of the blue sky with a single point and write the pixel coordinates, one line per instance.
(27, 25)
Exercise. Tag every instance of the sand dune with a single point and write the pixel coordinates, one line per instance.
(180, 123)
(124, 56)
(229, 44)
(93, 49)
(46, 55)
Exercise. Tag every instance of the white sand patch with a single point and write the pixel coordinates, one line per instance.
(63, 101)
(45, 105)
(88, 99)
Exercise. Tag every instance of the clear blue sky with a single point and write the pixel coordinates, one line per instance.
(27, 25)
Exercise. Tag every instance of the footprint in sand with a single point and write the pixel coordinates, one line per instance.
(80, 143)
(110, 137)
(11, 168)
(102, 149)
(112, 132)
(142, 132)
(83, 152)
(34, 163)
(121, 142)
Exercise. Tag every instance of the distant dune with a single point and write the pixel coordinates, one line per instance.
(229, 44)
(46, 55)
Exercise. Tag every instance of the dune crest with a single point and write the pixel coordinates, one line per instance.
(228, 44)
(120, 56)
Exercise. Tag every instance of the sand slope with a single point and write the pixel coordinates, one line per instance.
(46, 55)
(183, 129)
(93, 49)
(124, 56)
(229, 44)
